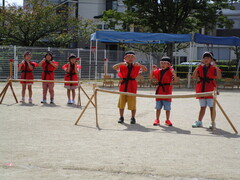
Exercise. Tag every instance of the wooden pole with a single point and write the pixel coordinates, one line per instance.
(4, 91)
(90, 100)
(79, 98)
(87, 96)
(10, 83)
(96, 112)
(229, 121)
(213, 112)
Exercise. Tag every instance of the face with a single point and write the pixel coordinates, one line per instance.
(164, 64)
(130, 58)
(28, 57)
(72, 60)
(207, 60)
(48, 57)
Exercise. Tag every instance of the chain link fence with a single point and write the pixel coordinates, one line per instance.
(92, 62)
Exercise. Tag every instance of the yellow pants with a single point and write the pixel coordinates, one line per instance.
(130, 100)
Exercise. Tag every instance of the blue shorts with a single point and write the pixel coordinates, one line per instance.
(166, 104)
(206, 102)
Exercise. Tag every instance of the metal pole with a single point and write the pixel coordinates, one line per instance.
(90, 59)
(15, 64)
(80, 63)
(96, 62)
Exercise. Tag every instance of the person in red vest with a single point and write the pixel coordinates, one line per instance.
(49, 66)
(164, 75)
(72, 70)
(128, 71)
(206, 73)
(26, 67)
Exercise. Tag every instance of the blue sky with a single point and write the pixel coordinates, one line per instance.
(17, 2)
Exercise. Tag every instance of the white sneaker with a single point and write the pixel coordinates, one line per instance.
(214, 125)
(44, 101)
(22, 100)
(69, 102)
(30, 100)
(73, 102)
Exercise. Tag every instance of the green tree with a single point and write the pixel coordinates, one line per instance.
(164, 16)
(40, 23)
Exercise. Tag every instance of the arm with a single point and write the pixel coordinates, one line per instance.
(151, 73)
(20, 66)
(53, 64)
(41, 63)
(218, 71)
(75, 68)
(195, 72)
(144, 68)
(174, 75)
(116, 66)
(29, 65)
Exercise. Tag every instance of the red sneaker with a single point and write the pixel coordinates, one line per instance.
(156, 123)
(168, 123)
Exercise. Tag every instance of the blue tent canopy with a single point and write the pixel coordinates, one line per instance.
(204, 39)
(136, 37)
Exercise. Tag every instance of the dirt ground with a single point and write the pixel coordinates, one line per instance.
(41, 141)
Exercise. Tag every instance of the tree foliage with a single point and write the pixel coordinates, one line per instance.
(166, 16)
(40, 23)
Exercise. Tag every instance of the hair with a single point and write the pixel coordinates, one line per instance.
(27, 53)
(129, 52)
(166, 58)
(71, 56)
(49, 53)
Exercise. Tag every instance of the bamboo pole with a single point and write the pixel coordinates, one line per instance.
(158, 96)
(84, 109)
(213, 112)
(87, 96)
(96, 110)
(229, 121)
(4, 91)
(40, 80)
(10, 83)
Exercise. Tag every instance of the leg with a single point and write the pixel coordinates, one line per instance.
(158, 112)
(51, 90)
(44, 86)
(167, 114)
(131, 100)
(24, 85)
(68, 94)
(73, 94)
(158, 108)
(121, 105)
(133, 113)
(201, 113)
(30, 91)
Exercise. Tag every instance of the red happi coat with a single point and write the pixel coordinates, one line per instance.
(48, 70)
(26, 72)
(164, 86)
(206, 84)
(72, 75)
(128, 84)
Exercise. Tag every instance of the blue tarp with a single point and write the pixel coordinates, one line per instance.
(155, 38)
(204, 39)
(136, 37)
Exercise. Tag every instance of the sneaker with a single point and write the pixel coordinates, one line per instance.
(156, 123)
(30, 100)
(51, 101)
(22, 100)
(214, 125)
(69, 102)
(133, 120)
(121, 120)
(73, 102)
(168, 123)
(44, 101)
(197, 124)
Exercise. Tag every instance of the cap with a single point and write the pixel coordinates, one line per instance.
(207, 54)
(166, 58)
(71, 56)
(129, 52)
(27, 53)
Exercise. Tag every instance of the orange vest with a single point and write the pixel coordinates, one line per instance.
(206, 81)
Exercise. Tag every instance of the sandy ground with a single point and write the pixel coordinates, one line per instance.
(41, 141)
